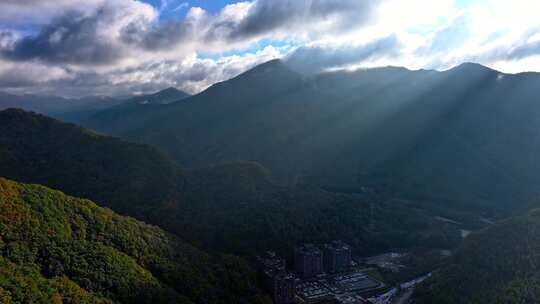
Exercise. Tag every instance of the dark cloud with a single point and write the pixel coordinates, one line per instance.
(21, 2)
(157, 37)
(11, 80)
(316, 59)
(525, 50)
(522, 48)
(7, 39)
(263, 17)
(72, 38)
(266, 16)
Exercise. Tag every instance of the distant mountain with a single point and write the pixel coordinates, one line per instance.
(234, 207)
(166, 96)
(500, 264)
(60, 249)
(80, 109)
(138, 105)
(465, 138)
(54, 105)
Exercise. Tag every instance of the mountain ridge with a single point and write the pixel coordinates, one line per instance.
(346, 130)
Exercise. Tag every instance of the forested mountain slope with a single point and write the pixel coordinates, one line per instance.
(232, 208)
(500, 264)
(466, 137)
(59, 249)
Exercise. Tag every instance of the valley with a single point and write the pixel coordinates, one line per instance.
(374, 177)
(269, 152)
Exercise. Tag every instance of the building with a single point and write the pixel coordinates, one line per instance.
(276, 280)
(337, 257)
(283, 288)
(308, 261)
(270, 260)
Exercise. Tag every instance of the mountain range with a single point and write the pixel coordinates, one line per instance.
(463, 138)
(381, 158)
(77, 109)
(55, 105)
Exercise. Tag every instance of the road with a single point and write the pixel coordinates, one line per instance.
(403, 298)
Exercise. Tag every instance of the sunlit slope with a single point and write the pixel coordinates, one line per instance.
(56, 248)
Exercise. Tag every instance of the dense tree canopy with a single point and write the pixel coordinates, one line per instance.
(500, 264)
(67, 249)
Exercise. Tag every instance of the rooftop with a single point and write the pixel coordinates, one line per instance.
(337, 245)
(308, 248)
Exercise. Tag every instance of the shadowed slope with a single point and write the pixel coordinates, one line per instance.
(497, 265)
(466, 136)
(233, 208)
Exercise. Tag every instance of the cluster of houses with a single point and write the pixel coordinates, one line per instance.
(321, 274)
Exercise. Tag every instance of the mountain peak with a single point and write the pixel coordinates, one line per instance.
(274, 65)
(165, 96)
(170, 90)
(271, 76)
(473, 67)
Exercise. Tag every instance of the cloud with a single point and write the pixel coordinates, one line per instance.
(449, 37)
(242, 23)
(270, 17)
(71, 39)
(524, 51)
(80, 37)
(150, 38)
(83, 47)
(314, 59)
(181, 6)
(94, 44)
(191, 74)
(24, 75)
(38, 12)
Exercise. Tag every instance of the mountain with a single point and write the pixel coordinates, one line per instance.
(166, 96)
(138, 105)
(56, 248)
(128, 178)
(500, 264)
(54, 105)
(80, 109)
(464, 138)
(235, 207)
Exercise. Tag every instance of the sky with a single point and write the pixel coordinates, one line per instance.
(117, 47)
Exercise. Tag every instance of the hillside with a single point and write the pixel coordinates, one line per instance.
(59, 249)
(497, 265)
(233, 208)
(463, 138)
(129, 178)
